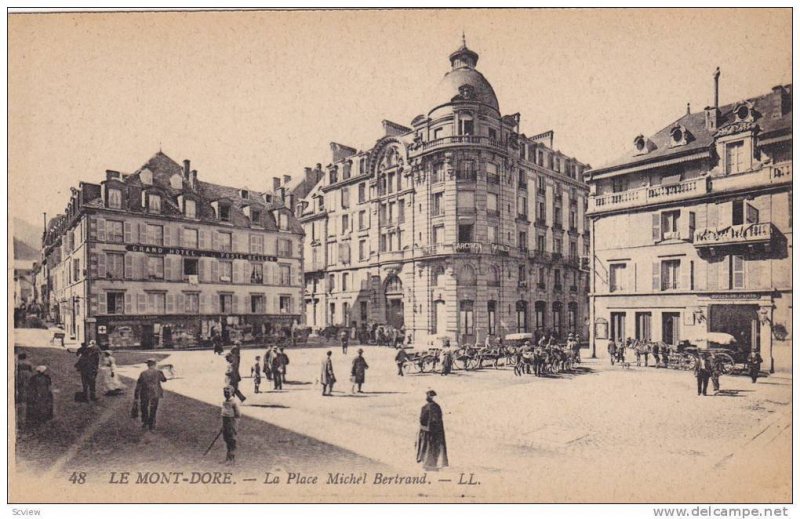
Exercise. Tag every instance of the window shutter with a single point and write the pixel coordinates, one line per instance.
(167, 236)
(213, 271)
(168, 272)
(93, 265)
(127, 232)
(93, 304)
(215, 303)
(93, 229)
(203, 301)
(656, 226)
(177, 268)
(181, 304)
(725, 215)
(178, 241)
(142, 267)
(235, 243)
(203, 240)
(267, 273)
(101, 265)
(235, 305)
(253, 244)
(752, 214)
(101, 303)
(686, 268)
(170, 304)
(712, 275)
(128, 303)
(142, 233)
(289, 248)
(738, 265)
(101, 229)
(692, 225)
(214, 240)
(129, 266)
(657, 276)
(142, 303)
(712, 222)
(235, 272)
(202, 270)
(725, 273)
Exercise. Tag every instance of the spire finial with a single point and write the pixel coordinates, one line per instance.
(463, 38)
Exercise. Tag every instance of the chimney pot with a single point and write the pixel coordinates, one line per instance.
(716, 88)
(186, 168)
(287, 179)
(276, 183)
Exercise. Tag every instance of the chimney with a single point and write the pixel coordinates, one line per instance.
(186, 168)
(276, 184)
(716, 88)
(287, 179)
(688, 108)
(193, 179)
(290, 201)
(781, 101)
(110, 173)
(712, 117)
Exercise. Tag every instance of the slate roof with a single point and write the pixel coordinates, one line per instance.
(702, 138)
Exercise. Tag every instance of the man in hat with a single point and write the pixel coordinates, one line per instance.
(359, 371)
(279, 363)
(754, 361)
(431, 444)
(400, 359)
(148, 392)
(230, 418)
(345, 338)
(702, 370)
(88, 365)
(326, 376)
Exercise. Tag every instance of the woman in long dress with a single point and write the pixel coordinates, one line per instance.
(109, 378)
(39, 398)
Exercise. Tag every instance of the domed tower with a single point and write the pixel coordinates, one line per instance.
(463, 83)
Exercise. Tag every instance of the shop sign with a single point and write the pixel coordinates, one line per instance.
(740, 295)
(196, 253)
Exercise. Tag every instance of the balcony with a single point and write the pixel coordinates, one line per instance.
(437, 249)
(573, 261)
(495, 212)
(468, 248)
(457, 140)
(745, 234)
(776, 174)
(466, 176)
(493, 179)
(649, 195)
(573, 289)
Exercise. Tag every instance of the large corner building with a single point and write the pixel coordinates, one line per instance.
(455, 225)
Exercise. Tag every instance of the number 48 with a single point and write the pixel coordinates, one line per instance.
(78, 478)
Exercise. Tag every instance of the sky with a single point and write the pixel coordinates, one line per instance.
(247, 96)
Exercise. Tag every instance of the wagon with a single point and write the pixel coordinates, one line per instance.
(722, 346)
(422, 361)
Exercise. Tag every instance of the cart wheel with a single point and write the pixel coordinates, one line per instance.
(511, 360)
(462, 362)
(427, 363)
(727, 363)
(687, 362)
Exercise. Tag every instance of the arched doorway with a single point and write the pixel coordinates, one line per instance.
(394, 301)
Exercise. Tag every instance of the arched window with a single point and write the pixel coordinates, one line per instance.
(494, 276)
(522, 316)
(541, 308)
(466, 276)
(394, 285)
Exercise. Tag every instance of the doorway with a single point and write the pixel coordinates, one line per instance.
(394, 302)
(670, 327)
(617, 326)
(741, 321)
(440, 317)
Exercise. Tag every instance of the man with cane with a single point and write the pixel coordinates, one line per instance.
(230, 417)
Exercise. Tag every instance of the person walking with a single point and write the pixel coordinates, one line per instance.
(646, 354)
(269, 356)
(359, 371)
(447, 359)
(431, 443)
(657, 354)
(23, 371)
(279, 364)
(232, 376)
(612, 351)
(109, 378)
(88, 365)
(255, 372)
(344, 337)
(702, 371)
(230, 418)
(39, 398)
(716, 372)
(400, 359)
(148, 392)
(638, 351)
(326, 377)
(754, 361)
(216, 340)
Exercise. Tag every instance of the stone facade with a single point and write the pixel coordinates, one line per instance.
(457, 225)
(706, 203)
(159, 258)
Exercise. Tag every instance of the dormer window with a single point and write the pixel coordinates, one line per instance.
(333, 175)
(678, 136)
(640, 144)
(153, 203)
(176, 181)
(743, 112)
(255, 217)
(283, 222)
(224, 213)
(466, 125)
(244, 193)
(114, 199)
(190, 208)
(146, 177)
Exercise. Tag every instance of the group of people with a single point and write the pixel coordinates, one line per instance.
(642, 350)
(94, 363)
(33, 393)
(358, 373)
(546, 356)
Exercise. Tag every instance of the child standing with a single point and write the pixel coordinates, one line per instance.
(230, 417)
(255, 372)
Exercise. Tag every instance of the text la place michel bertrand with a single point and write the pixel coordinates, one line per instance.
(288, 478)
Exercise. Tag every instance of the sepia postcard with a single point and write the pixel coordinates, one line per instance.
(400, 256)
